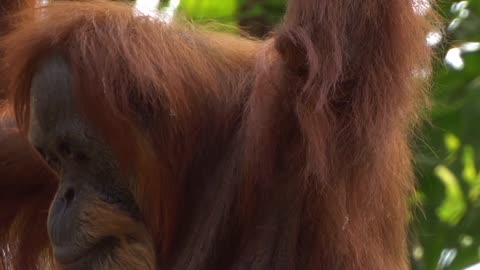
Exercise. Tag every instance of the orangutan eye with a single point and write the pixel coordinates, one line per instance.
(51, 160)
(67, 152)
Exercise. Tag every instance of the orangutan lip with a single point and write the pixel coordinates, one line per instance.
(71, 254)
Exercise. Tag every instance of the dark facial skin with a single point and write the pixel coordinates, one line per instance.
(89, 177)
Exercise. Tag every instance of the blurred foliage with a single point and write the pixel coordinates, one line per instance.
(446, 227)
(254, 16)
(223, 10)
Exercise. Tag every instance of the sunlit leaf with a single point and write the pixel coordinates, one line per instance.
(469, 170)
(453, 207)
(470, 174)
(452, 143)
(209, 9)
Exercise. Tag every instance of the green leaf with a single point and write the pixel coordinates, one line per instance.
(469, 173)
(454, 206)
(452, 143)
(209, 9)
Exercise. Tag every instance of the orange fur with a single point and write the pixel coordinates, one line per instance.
(7, 8)
(26, 189)
(306, 133)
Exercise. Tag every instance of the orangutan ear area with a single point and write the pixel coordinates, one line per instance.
(131, 142)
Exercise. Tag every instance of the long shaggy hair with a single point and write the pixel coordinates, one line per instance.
(307, 131)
